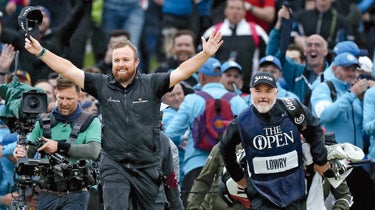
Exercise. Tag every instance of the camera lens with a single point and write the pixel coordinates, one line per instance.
(34, 102)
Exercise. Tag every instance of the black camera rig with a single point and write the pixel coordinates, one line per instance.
(46, 172)
(81, 174)
(28, 172)
(32, 171)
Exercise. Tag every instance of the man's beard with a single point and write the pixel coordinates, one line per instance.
(122, 77)
(263, 108)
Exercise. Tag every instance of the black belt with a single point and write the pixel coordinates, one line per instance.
(63, 193)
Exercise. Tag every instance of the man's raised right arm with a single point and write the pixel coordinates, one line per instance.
(55, 62)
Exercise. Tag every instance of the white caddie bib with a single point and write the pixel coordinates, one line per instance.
(275, 164)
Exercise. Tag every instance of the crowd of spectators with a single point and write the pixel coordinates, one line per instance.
(335, 43)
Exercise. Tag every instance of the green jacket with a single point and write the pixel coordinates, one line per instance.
(12, 94)
(205, 191)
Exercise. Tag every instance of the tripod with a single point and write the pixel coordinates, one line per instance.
(28, 173)
(20, 203)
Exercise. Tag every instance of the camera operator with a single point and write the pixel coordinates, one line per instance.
(60, 191)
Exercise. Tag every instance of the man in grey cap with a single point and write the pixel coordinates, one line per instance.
(272, 144)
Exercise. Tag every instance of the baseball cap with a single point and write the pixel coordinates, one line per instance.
(86, 104)
(349, 47)
(366, 64)
(263, 78)
(212, 67)
(229, 65)
(345, 60)
(270, 59)
(22, 76)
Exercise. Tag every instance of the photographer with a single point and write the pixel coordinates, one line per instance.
(56, 131)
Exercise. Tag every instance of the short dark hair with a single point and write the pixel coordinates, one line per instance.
(63, 83)
(185, 32)
(53, 75)
(119, 32)
(296, 47)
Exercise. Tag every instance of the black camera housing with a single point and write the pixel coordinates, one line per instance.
(32, 167)
(34, 102)
(24, 111)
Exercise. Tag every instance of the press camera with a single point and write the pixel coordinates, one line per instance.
(20, 115)
(32, 104)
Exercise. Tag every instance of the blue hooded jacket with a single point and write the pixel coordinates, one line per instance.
(343, 116)
(369, 119)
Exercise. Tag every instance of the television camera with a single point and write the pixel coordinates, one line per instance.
(35, 172)
(22, 115)
(44, 171)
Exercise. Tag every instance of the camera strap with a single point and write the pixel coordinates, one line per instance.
(79, 125)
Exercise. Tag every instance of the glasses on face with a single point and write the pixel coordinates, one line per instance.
(315, 44)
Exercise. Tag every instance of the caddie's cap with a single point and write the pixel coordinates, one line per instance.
(345, 60)
(349, 47)
(230, 65)
(270, 59)
(212, 67)
(263, 78)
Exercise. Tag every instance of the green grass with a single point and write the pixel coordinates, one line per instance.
(89, 60)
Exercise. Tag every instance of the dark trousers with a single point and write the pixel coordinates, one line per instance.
(188, 183)
(362, 189)
(95, 201)
(72, 201)
(125, 186)
(261, 203)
